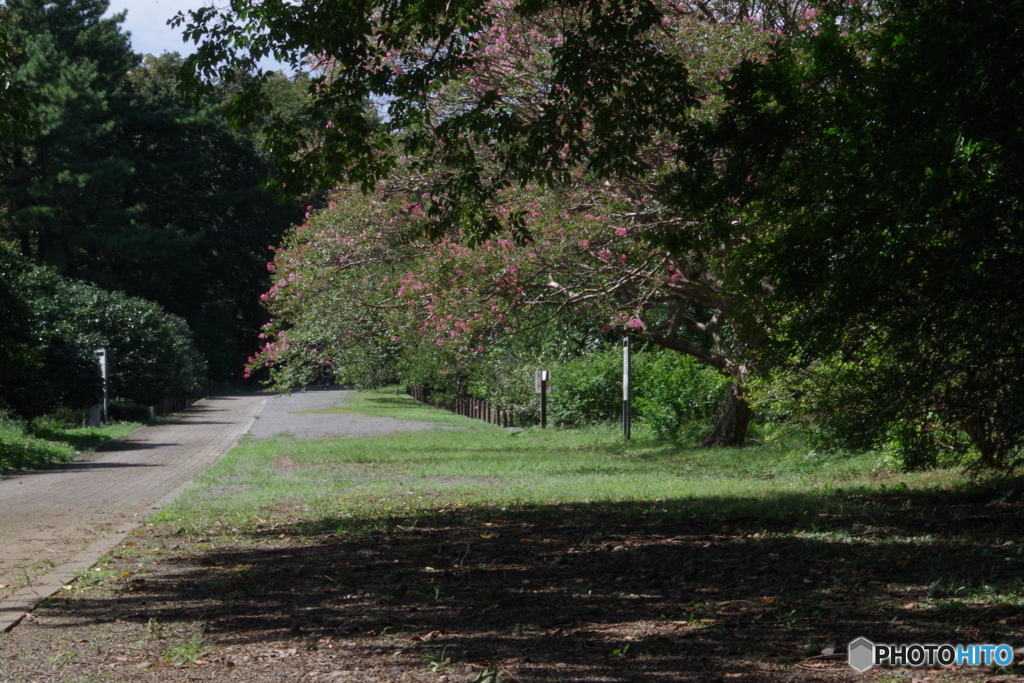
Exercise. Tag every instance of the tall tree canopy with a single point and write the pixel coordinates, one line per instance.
(118, 181)
(852, 187)
(60, 181)
(884, 170)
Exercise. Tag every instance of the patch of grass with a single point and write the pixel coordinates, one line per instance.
(43, 443)
(479, 464)
(389, 403)
(525, 551)
(187, 651)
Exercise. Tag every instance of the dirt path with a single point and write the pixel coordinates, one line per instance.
(56, 522)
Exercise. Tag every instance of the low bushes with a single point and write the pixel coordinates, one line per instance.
(60, 322)
(674, 395)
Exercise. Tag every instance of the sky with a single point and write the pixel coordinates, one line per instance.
(147, 22)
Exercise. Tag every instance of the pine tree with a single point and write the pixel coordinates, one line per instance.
(59, 180)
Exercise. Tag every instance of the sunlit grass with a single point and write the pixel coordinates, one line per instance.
(41, 444)
(468, 462)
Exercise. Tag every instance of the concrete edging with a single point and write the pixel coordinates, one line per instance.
(20, 604)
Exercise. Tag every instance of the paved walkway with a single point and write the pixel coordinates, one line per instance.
(56, 522)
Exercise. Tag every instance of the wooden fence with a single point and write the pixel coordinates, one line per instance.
(476, 408)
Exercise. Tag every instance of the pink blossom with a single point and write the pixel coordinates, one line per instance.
(635, 324)
(620, 232)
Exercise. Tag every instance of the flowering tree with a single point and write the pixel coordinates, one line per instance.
(535, 96)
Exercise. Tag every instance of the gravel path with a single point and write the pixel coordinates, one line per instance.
(288, 414)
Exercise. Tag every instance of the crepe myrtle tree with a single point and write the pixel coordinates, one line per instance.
(359, 287)
(544, 87)
(527, 95)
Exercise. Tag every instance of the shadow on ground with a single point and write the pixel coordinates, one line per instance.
(588, 592)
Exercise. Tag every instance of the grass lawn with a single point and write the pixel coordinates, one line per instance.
(471, 553)
(44, 443)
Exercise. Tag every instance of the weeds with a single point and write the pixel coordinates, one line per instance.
(186, 652)
(439, 661)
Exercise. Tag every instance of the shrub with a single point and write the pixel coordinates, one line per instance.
(587, 390)
(675, 395)
(129, 412)
(151, 354)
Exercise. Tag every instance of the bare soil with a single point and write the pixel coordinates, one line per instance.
(610, 592)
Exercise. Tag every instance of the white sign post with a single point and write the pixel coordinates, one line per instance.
(101, 354)
(627, 387)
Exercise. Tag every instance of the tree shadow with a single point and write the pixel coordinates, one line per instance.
(625, 591)
(80, 442)
(19, 458)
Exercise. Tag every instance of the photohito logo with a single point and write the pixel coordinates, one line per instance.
(863, 654)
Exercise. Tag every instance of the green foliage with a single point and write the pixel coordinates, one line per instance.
(50, 440)
(129, 412)
(151, 354)
(44, 368)
(587, 390)
(504, 373)
(675, 395)
(890, 194)
(201, 226)
(115, 180)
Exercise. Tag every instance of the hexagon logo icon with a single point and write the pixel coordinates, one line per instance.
(861, 654)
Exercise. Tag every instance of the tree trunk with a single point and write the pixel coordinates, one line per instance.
(731, 427)
(989, 442)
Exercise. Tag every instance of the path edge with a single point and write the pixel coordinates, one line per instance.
(21, 603)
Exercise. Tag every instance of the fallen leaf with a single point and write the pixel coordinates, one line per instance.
(828, 651)
(486, 535)
(526, 540)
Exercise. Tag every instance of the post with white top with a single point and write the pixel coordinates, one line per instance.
(627, 388)
(101, 354)
(541, 378)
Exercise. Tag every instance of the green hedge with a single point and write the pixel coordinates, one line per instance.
(151, 353)
(674, 395)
